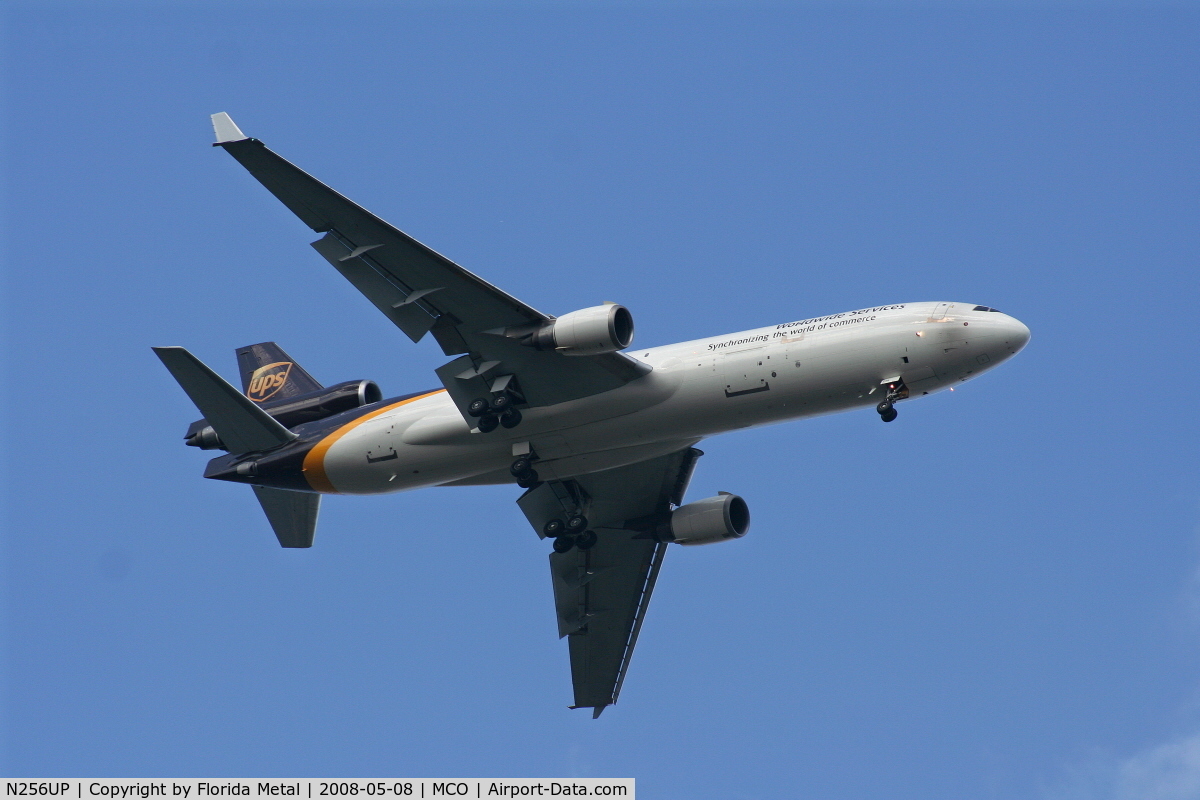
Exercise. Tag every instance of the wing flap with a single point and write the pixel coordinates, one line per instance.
(399, 303)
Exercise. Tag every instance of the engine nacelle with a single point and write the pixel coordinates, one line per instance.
(322, 403)
(293, 411)
(587, 332)
(714, 519)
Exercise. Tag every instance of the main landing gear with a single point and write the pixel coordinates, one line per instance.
(571, 529)
(570, 533)
(495, 412)
(522, 469)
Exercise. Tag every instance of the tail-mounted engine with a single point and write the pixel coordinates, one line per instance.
(293, 411)
(587, 332)
(714, 519)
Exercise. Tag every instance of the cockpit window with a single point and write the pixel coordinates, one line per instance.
(985, 308)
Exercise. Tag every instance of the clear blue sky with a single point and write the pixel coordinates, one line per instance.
(996, 596)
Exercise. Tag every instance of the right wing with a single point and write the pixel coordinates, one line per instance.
(601, 594)
(421, 291)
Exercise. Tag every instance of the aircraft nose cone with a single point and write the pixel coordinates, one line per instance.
(1016, 334)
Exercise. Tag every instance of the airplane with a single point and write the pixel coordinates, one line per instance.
(602, 442)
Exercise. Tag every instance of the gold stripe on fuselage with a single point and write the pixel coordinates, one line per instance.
(314, 460)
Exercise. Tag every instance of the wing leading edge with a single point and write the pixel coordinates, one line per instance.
(601, 594)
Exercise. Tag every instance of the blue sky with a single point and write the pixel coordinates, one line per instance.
(996, 596)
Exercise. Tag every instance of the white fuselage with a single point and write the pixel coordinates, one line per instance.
(696, 389)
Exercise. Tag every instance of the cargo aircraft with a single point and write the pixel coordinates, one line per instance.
(603, 443)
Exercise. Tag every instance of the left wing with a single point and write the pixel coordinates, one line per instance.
(421, 292)
(601, 594)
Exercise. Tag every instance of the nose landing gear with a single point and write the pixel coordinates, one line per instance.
(896, 390)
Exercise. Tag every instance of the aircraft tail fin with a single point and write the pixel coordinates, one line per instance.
(293, 515)
(240, 424)
(268, 373)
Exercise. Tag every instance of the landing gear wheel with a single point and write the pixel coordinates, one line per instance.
(586, 540)
(890, 415)
(478, 407)
(510, 418)
(527, 479)
(501, 402)
(521, 464)
(488, 423)
(563, 544)
(576, 524)
(553, 528)
(884, 407)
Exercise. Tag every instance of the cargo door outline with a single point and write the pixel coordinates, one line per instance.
(745, 372)
(383, 450)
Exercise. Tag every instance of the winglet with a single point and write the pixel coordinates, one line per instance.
(225, 129)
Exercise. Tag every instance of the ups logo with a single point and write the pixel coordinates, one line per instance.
(267, 380)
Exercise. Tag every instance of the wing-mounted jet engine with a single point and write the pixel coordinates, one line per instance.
(587, 332)
(713, 519)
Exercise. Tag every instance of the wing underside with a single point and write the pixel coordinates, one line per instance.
(423, 292)
(601, 594)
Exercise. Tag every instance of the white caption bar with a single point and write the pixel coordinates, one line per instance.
(403, 788)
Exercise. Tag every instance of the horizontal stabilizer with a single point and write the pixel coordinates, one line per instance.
(241, 425)
(293, 515)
